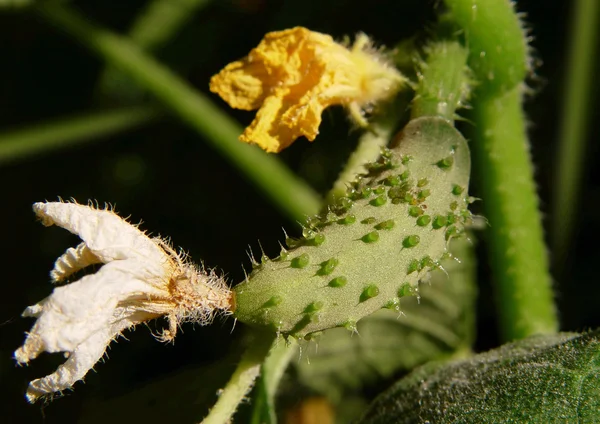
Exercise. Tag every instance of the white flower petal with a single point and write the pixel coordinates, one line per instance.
(73, 313)
(106, 234)
(141, 279)
(34, 311)
(81, 359)
(74, 259)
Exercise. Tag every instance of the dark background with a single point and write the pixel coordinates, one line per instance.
(168, 176)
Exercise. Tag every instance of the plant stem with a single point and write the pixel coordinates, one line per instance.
(242, 379)
(46, 136)
(499, 57)
(497, 42)
(574, 127)
(153, 28)
(290, 194)
(443, 81)
(274, 366)
(161, 20)
(518, 253)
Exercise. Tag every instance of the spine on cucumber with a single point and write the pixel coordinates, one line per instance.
(373, 246)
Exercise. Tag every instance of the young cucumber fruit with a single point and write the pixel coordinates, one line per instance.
(372, 247)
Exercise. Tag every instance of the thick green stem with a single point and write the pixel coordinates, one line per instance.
(275, 364)
(284, 189)
(518, 253)
(443, 81)
(497, 42)
(46, 136)
(242, 379)
(575, 124)
(499, 57)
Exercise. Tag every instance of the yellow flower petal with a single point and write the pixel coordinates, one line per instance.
(293, 75)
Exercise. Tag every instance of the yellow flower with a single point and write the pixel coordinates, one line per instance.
(293, 75)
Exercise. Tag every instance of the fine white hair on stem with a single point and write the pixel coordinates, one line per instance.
(141, 278)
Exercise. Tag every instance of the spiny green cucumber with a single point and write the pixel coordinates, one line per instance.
(373, 246)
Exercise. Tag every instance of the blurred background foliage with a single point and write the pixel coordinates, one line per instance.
(164, 173)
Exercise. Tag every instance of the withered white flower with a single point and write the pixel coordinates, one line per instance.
(141, 278)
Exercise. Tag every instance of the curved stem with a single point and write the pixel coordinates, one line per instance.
(242, 380)
(280, 355)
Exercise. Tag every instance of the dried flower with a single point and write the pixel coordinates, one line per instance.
(293, 75)
(141, 278)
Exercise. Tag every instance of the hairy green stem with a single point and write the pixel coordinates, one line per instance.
(60, 133)
(574, 127)
(242, 379)
(281, 353)
(497, 42)
(499, 57)
(518, 253)
(443, 81)
(289, 193)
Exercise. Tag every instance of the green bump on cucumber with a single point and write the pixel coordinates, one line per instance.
(374, 245)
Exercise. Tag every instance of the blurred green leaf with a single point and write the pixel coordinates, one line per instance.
(43, 137)
(440, 323)
(541, 379)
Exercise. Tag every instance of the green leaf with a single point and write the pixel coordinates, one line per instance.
(541, 379)
(438, 324)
